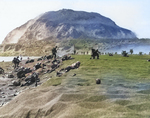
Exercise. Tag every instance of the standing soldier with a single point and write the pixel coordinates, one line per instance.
(74, 52)
(16, 61)
(54, 51)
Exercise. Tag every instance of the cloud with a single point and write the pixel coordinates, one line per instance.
(130, 14)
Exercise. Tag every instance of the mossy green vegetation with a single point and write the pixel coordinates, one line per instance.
(123, 92)
(119, 95)
(134, 67)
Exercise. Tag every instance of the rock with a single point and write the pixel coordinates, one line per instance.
(1, 104)
(16, 83)
(10, 85)
(148, 60)
(29, 61)
(1, 70)
(98, 81)
(10, 76)
(10, 88)
(3, 84)
(15, 94)
(74, 74)
(2, 93)
(37, 66)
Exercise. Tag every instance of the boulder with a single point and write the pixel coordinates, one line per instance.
(98, 81)
(16, 82)
(10, 76)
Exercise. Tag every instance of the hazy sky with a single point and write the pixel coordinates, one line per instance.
(130, 14)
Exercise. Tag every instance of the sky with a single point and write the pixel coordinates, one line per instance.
(130, 14)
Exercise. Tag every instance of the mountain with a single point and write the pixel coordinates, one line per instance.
(68, 24)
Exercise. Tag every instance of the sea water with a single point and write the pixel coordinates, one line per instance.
(10, 58)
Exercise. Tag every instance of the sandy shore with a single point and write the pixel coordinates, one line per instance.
(7, 90)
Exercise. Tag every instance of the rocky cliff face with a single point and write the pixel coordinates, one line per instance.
(68, 24)
(17, 33)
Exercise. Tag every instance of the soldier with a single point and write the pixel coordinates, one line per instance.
(54, 51)
(74, 52)
(95, 53)
(93, 50)
(16, 61)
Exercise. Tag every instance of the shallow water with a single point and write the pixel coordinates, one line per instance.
(136, 48)
(10, 58)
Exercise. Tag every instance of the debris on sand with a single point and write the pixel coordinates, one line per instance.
(26, 75)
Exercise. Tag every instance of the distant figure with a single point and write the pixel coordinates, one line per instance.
(124, 54)
(95, 53)
(110, 54)
(54, 51)
(74, 52)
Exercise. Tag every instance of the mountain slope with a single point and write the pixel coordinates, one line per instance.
(68, 24)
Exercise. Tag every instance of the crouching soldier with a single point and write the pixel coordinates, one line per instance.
(95, 53)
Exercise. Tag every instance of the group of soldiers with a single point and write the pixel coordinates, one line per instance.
(34, 76)
(95, 53)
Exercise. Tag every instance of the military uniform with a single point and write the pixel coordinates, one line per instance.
(54, 51)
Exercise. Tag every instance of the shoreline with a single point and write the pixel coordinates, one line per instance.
(10, 58)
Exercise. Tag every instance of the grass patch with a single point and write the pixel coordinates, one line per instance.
(123, 102)
(93, 105)
(134, 67)
(53, 82)
(140, 107)
(72, 97)
(144, 92)
(117, 73)
(96, 98)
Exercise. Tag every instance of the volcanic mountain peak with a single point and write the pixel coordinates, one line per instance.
(68, 24)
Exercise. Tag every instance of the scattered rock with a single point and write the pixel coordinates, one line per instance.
(10, 88)
(148, 60)
(15, 94)
(98, 81)
(10, 76)
(2, 93)
(1, 104)
(29, 61)
(16, 82)
(1, 70)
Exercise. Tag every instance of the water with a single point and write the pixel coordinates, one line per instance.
(60, 53)
(10, 58)
(145, 49)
